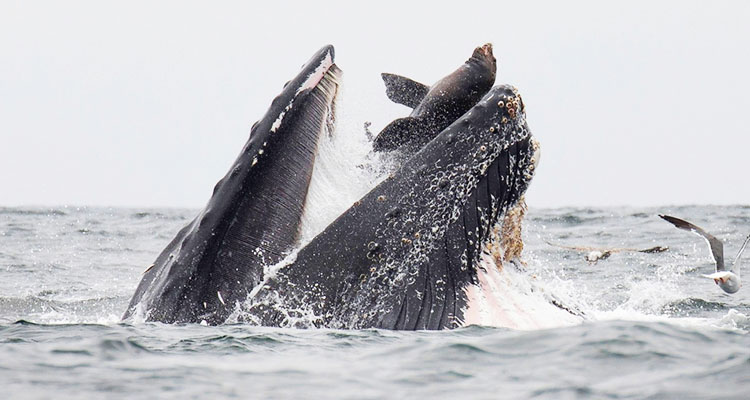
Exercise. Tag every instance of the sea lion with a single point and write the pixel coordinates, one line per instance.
(438, 106)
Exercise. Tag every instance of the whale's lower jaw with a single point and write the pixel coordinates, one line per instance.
(253, 217)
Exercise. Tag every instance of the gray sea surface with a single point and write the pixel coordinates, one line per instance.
(655, 327)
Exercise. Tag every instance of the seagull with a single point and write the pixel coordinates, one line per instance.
(729, 281)
(594, 254)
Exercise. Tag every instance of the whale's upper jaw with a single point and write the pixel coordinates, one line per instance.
(506, 164)
(218, 258)
(502, 162)
(485, 162)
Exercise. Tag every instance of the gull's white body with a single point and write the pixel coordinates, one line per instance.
(726, 280)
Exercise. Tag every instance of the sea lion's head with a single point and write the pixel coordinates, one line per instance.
(483, 66)
(483, 55)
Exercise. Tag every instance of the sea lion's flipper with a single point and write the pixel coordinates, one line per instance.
(401, 132)
(403, 90)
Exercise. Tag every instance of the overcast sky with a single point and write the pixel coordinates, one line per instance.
(148, 103)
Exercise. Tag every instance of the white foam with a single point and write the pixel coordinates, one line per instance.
(734, 320)
(342, 172)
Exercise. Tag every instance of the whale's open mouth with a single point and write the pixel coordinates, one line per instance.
(406, 255)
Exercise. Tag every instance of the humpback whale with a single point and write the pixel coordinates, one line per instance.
(408, 254)
(422, 250)
(436, 107)
(253, 217)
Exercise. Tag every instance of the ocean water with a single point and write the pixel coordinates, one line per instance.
(654, 327)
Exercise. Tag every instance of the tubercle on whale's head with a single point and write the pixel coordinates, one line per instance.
(500, 111)
(510, 103)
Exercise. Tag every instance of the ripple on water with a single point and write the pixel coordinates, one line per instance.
(51, 212)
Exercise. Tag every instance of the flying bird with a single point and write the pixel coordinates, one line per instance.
(728, 280)
(594, 254)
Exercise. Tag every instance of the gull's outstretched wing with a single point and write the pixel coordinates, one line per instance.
(735, 265)
(717, 248)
